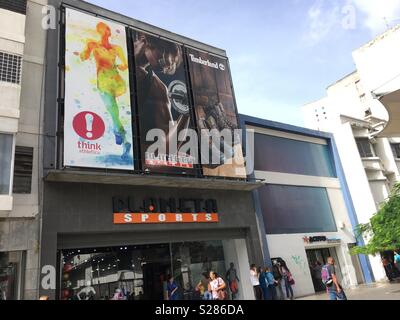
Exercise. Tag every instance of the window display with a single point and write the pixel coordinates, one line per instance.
(9, 275)
(140, 272)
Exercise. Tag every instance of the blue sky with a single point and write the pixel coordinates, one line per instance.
(283, 53)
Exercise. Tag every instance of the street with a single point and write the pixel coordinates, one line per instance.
(379, 291)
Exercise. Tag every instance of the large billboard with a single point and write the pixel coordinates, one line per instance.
(163, 105)
(97, 112)
(215, 109)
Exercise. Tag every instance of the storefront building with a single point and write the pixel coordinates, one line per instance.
(115, 223)
(305, 205)
(22, 42)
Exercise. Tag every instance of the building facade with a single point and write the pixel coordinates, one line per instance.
(307, 211)
(22, 43)
(107, 229)
(370, 159)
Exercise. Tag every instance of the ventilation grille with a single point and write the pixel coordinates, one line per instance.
(23, 170)
(10, 67)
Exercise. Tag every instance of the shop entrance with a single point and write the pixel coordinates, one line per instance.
(139, 272)
(317, 258)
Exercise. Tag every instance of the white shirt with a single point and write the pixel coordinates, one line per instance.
(254, 278)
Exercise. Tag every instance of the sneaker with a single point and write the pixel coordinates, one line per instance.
(118, 139)
(127, 149)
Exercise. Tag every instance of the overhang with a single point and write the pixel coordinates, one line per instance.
(151, 180)
(391, 101)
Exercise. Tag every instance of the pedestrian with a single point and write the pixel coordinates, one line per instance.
(217, 286)
(288, 280)
(389, 269)
(254, 278)
(204, 287)
(329, 278)
(272, 284)
(262, 277)
(278, 277)
(172, 288)
(397, 260)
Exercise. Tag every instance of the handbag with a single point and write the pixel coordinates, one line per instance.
(222, 294)
(290, 279)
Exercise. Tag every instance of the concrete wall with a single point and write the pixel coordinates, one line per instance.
(236, 251)
(19, 228)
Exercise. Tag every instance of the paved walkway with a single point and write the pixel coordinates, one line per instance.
(379, 291)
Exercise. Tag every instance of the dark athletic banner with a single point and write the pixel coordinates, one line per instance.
(163, 103)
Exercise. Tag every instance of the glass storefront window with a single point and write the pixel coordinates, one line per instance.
(296, 209)
(10, 269)
(138, 272)
(277, 154)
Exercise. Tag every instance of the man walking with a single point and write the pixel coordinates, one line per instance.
(329, 278)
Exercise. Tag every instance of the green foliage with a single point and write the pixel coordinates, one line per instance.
(383, 230)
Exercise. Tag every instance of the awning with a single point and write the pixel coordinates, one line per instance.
(391, 101)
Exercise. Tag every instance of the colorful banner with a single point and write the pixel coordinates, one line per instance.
(163, 104)
(98, 120)
(215, 109)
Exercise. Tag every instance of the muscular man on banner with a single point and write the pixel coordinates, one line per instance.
(162, 57)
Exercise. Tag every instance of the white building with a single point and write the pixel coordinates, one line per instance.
(305, 204)
(371, 159)
(22, 43)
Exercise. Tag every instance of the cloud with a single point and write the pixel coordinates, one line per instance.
(376, 11)
(322, 18)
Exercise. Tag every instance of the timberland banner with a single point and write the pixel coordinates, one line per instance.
(98, 120)
(215, 111)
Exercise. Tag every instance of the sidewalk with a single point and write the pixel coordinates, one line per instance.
(378, 291)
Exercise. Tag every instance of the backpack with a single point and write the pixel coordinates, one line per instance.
(326, 276)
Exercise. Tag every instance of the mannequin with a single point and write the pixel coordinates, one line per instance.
(233, 279)
(88, 292)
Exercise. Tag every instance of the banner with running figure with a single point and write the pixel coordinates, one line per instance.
(163, 105)
(98, 119)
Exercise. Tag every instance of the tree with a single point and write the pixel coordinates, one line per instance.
(383, 230)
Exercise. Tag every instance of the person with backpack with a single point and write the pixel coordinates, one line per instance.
(329, 279)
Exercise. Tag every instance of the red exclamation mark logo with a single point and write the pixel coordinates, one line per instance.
(89, 125)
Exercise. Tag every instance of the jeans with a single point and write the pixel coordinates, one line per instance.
(334, 295)
(279, 291)
(289, 289)
(207, 295)
(258, 292)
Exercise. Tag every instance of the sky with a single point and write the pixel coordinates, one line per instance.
(283, 53)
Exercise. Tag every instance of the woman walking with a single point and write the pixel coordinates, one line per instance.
(217, 286)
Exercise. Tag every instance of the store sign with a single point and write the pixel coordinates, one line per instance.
(309, 240)
(314, 239)
(156, 210)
